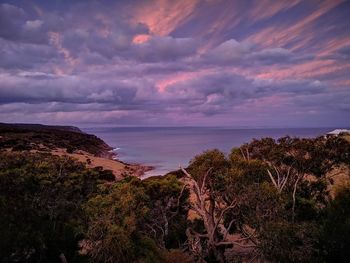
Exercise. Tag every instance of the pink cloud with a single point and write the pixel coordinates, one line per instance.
(267, 8)
(163, 84)
(333, 45)
(281, 35)
(56, 40)
(163, 16)
(311, 69)
(142, 38)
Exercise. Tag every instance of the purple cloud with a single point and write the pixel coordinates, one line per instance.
(200, 62)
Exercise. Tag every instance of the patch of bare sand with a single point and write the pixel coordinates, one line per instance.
(338, 177)
(118, 168)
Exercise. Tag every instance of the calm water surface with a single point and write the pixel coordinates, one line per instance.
(166, 148)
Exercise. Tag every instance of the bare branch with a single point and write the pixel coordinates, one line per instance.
(190, 231)
(178, 202)
(294, 193)
(205, 178)
(286, 178)
(272, 179)
(186, 173)
(278, 175)
(222, 213)
(242, 153)
(227, 230)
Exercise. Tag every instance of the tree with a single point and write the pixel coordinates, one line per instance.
(283, 241)
(335, 228)
(167, 220)
(41, 199)
(133, 219)
(211, 204)
(116, 218)
(295, 164)
(265, 189)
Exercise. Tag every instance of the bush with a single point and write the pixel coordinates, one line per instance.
(41, 198)
(289, 242)
(335, 232)
(70, 150)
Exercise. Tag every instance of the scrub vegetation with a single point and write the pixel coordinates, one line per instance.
(267, 201)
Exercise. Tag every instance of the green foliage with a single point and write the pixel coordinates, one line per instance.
(115, 219)
(41, 198)
(168, 198)
(335, 230)
(283, 241)
(123, 217)
(243, 177)
(213, 162)
(51, 205)
(212, 159)
(313, 156)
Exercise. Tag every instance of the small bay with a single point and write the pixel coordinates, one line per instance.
(165, 148)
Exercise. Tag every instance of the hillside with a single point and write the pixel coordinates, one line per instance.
(346, 136)
(38, 127)
(19, 137)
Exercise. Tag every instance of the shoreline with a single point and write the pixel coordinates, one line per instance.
(107, 161)
(138, 169)
(68, 141)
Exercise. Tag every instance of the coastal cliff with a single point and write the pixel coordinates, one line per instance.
(66, 141)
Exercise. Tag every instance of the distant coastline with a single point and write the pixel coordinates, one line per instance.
(67, 141)
(165, 148)
(135, 151)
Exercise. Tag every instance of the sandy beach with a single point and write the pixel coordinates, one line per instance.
(119, 168)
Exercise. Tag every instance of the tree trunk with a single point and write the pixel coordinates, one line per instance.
(63, 258)
(294, 193)
(217, 254)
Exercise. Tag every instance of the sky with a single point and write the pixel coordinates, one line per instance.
(249, 63)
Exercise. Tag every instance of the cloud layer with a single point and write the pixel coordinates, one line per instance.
(194, 62)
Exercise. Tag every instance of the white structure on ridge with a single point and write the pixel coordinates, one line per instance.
(336, 132)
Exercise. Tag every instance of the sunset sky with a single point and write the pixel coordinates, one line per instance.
(232, 63)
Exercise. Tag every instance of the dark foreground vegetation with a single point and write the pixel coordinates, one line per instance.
(267, 201)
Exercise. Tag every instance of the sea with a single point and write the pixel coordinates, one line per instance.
(166, 148)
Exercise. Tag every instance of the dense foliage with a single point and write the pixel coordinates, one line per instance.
(135, 219)
(266, 201)
(273, 197)
(54, 207)
(41, 199)
(335, 228)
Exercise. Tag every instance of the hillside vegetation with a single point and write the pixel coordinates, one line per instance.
(267, 201)
(346, 136)
(20, 137)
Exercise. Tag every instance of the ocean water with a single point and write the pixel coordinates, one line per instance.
(166, 148)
